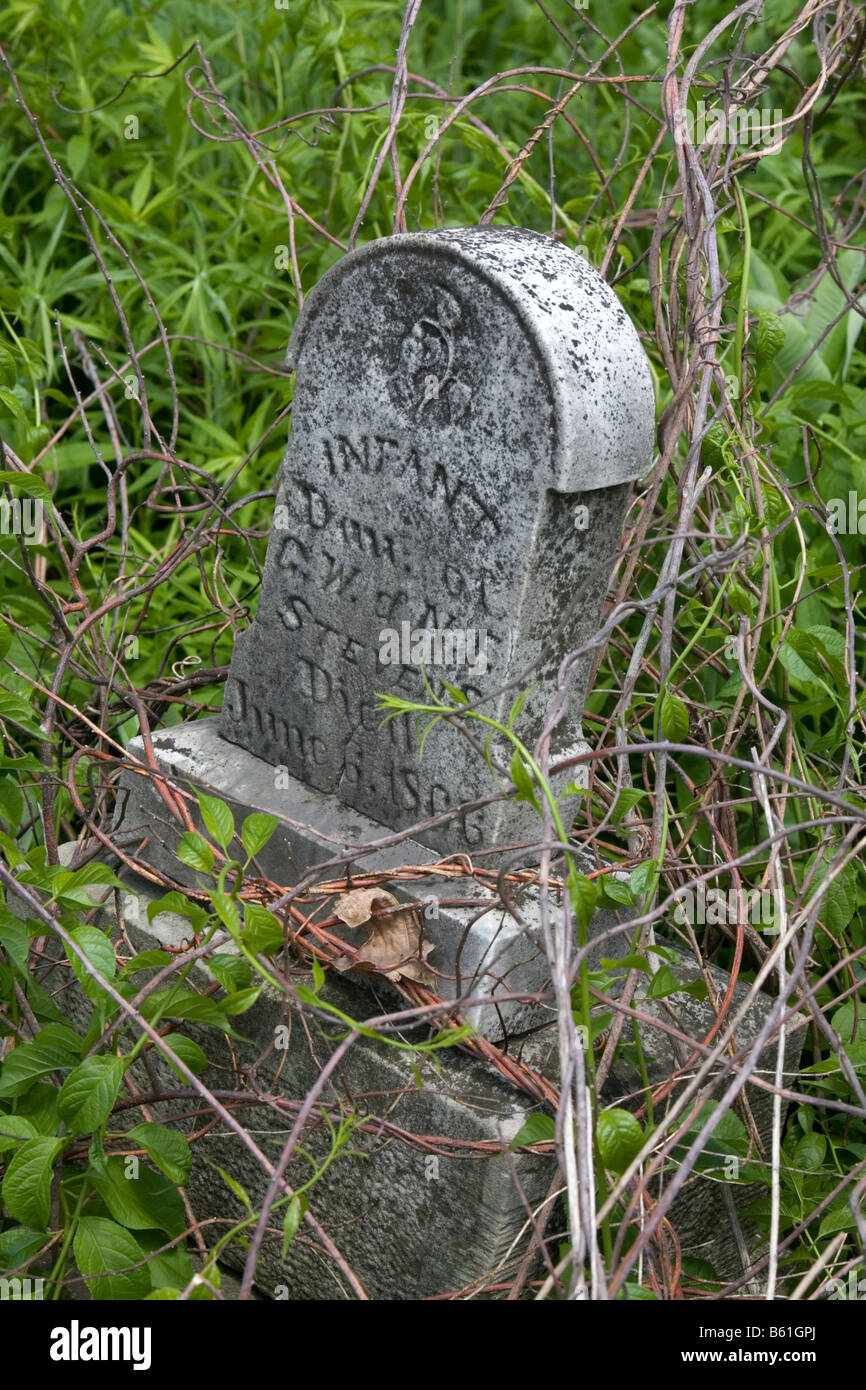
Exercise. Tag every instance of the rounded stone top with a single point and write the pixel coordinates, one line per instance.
(592, 359)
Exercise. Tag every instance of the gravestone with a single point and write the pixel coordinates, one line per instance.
(470, 408)
(469, 411)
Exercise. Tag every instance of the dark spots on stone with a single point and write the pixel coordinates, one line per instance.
(563, 305)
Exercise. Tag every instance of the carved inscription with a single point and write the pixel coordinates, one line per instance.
(366, 454)
(344, 575)
(369, 454)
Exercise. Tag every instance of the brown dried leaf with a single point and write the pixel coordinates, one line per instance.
(393, 946)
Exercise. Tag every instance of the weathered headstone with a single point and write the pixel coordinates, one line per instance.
(470, 408)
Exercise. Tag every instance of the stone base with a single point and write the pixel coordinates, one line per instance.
(477, 952)
(415, 1218)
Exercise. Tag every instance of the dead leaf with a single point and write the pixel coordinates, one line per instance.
(394, 944)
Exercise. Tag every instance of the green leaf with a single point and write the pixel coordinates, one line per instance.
(633, 1292)
(14, 1129)
(39, 1105)
(226, 909)
(168, 1148)
(713, 446)
(141, 1202)
(188, 1052)
(56, 1048)
(18, 711)
(319, 980)
(522, 780)
(291, 1222)
(77, 152)
(839, 902)
(263, 934)
(27, 1183)
(804, 327)
(697, 989)
(195, 851)
(838, 1218)
(627, 799)
(810, 1152)
(514, 712)
(240, 1001)
(17, 1245)
(619, 1138)
(665, 952)
(15, 940)
(257, 829)
(234, 1186)
(89, 1092)
(665, 982)
(175, 1002)
(537, 1129)
(643, 879)
(615, 891)
(851, 1028)
(218, 819)
(99, 951)
(12, 803)
(674, 719)
(455, 693)
(145, 960)
(167, 1268)
(8, 377)
(830, 645)
(729, 1137)
(770, 339)
(233, 972)
(626, 963)
(89, 875)
(797, 655)
(583, 893)
(30, 483)
(739, 599)
(572, 789)
(102, 1248)
(141, 187)
(182, 906)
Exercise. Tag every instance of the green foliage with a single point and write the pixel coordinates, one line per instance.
(193, 238)
(619, 1138)
(538, 1129)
